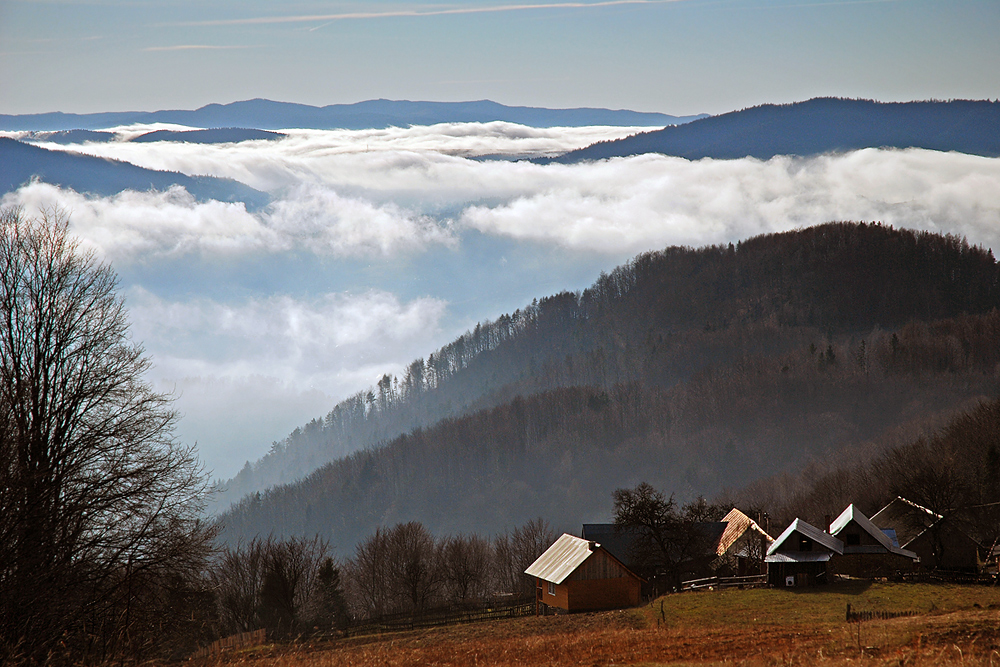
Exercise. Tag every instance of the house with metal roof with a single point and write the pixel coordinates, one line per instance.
(868, 550)
(579, 575)
(939, 541)
(801, 555)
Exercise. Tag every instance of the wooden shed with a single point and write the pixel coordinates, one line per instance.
(579, 575)
(801, 555)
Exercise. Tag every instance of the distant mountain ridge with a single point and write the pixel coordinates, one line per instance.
(20, 162)
(371, 114)
(813, 127)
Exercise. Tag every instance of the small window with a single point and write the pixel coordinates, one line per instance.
(805, 544)
(552, 588)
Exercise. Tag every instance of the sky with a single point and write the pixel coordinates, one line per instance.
(672, 56)
(382, 245)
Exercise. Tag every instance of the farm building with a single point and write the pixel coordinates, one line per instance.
(735, 545)
(868, 550)
(579, 575)
(801, 555)
(937, 540)
(741, 547)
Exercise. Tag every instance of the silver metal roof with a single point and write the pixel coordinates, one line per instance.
(812, 532)
(561, 559)
(852, 513)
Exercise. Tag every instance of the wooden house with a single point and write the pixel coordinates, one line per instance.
(801, 555)
(579, 575)
(868, 550)
(939, 541)
(742, 546)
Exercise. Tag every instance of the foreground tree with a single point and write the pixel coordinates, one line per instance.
(99, 505)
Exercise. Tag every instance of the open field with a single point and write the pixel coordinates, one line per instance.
(953, 625)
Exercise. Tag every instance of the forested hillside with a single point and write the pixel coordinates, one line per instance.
(694, 370)
(658, 319)
(820, 125)
(953, 470)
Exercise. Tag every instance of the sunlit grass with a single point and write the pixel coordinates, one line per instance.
(824, 604)
(956, 625)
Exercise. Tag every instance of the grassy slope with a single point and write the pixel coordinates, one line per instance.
(956, 625)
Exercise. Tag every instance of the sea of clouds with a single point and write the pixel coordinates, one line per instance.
(381, 245)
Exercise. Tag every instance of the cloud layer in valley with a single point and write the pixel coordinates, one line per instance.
(381, 245)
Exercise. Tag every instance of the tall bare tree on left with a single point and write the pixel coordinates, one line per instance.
(101, 544)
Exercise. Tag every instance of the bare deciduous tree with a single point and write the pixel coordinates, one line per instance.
(285, 586)
(466, 561)
(416, 566)
(514, 552)
(97, 499)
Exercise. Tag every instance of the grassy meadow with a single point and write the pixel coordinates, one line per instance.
(950, 625)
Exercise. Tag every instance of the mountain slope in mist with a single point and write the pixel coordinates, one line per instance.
(374, 114)
(693, 369)
(820, 125)
(20, 162)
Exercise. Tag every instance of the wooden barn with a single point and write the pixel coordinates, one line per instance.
(868, 550)
(579, 575)
(742, 546)
(801, 555)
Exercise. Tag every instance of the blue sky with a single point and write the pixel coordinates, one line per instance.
(676, 56)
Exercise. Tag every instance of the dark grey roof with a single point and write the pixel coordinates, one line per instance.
(618, 542)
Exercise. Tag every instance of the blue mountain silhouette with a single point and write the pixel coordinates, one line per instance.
(20, 162)
(820, 125)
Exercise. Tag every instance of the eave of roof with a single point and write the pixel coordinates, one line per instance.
(799, 557)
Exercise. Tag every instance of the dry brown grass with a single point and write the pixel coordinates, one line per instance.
(748, 628)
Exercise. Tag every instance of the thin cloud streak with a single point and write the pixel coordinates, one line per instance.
(197, 47)
(354, 16)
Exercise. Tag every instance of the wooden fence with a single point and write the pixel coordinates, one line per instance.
(856, 616)
(751, 581)
(391, 623)
(945, 576)
(443, 616)
(242, 640)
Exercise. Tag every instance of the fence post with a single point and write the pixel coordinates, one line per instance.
(848, 612)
